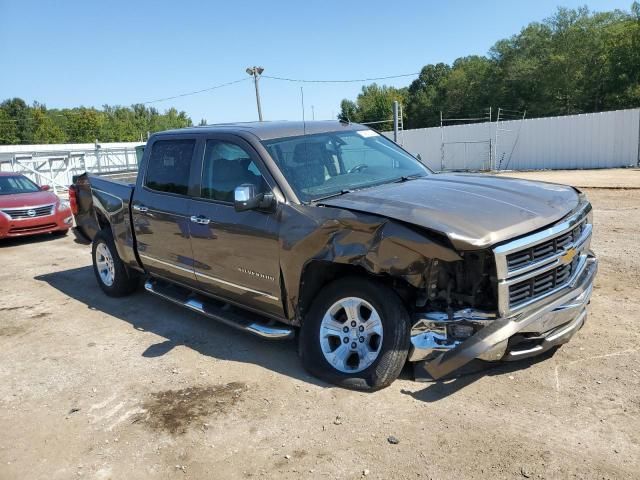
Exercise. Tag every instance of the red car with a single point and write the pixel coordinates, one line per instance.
(27, 209)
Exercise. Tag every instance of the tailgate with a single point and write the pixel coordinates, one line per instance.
(81, 201)
(97, 202)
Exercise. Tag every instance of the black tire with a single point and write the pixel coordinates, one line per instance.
(60, 233)
(124, 280)
(395, 339)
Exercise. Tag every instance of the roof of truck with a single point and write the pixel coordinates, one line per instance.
(275, 129)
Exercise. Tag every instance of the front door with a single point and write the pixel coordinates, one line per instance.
(236, 253)
(160, 209)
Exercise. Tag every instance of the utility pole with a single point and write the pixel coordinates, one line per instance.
(313, 113)
(395, 121)
(255, 72)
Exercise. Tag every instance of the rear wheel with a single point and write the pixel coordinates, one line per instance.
(356, 335)
(114, 278)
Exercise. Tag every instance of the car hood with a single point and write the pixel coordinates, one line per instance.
(33, 199)
(473, 211)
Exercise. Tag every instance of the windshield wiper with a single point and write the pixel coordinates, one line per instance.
(335, 194)
(406, 178)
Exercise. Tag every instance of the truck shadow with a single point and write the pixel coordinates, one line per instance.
(29, 239)
(444, 387)
(179, 327)
(182, 328)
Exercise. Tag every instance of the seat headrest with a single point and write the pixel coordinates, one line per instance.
(228, 168)
(307, 153)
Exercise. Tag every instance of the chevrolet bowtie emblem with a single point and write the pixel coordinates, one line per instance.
(568, 256)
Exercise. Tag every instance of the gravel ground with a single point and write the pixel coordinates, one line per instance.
(94, 387)
(615, 178)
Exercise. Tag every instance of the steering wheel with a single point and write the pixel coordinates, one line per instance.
(357, 168)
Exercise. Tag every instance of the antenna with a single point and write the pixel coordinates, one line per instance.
(304, 124)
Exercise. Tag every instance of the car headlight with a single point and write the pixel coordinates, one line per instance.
(63, 205)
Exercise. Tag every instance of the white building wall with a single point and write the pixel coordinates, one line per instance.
(593, 140)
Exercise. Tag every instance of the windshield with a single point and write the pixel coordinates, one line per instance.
(326, 164)
(16, 184)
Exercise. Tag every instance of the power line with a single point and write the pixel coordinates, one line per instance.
(70, 111)
(195, 92)
(357, 80)
(226, 84)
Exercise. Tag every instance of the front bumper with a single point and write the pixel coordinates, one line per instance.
(525, 334)
(61, 219)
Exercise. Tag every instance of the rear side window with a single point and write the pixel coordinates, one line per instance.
(169, 166)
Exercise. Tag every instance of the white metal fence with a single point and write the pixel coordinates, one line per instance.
(55, 165)
(593, 140)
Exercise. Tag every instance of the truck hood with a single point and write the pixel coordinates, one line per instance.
(473, 211)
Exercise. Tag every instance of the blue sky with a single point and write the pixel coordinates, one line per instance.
(72, 53)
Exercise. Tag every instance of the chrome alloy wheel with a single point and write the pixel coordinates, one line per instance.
(351, 335)
(104, 263)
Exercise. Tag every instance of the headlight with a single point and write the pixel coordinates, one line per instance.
(63, 205)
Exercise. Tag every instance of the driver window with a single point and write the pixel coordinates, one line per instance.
(227, 166)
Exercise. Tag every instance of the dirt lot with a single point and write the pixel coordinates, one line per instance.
(92, 387)
(614, 178)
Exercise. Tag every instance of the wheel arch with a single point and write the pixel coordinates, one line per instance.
(316, 274)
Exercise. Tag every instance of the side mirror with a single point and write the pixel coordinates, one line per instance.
(45, 188)
(246, 198)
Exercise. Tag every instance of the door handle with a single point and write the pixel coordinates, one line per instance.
(200, 219)
(140, 209)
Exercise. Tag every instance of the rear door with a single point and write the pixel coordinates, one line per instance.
(236, 253)
(160, 208)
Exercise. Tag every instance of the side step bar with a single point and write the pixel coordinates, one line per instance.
(219, 311)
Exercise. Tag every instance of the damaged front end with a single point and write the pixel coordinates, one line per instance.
(460, 300)
(514, 301)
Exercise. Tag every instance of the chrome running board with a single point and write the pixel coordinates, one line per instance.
(221, 312)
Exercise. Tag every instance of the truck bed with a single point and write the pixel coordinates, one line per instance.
(104, 202)
(128, 178)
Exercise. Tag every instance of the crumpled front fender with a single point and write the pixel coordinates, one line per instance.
(376, 244)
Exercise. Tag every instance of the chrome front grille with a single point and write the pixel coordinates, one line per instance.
(542, 284)
(29, 212)
(534, 267)
(554, 246)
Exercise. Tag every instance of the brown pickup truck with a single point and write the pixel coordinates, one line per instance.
(333, 231)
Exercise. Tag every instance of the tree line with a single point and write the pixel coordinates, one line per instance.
(35, 124)
(576, 61)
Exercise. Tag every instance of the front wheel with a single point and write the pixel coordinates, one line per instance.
(356, 335)
(114, 278)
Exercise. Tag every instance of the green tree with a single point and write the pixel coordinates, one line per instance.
(83, 124)
(8, 128)
(17, 113)
(20, 123)
(572, 62)
(374, 104)
(426, 96)
(45, 130)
